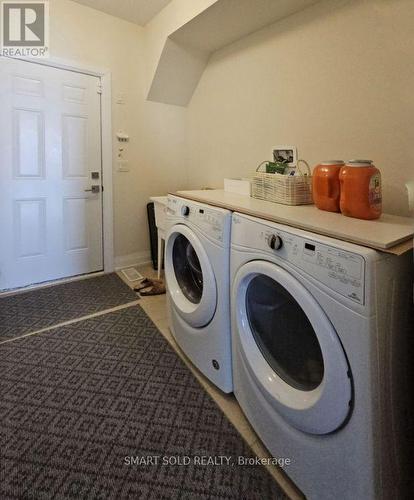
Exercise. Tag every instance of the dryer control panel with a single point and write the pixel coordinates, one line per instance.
(213, 222)
(341, 270)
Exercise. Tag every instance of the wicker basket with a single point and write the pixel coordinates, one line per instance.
(285, 189)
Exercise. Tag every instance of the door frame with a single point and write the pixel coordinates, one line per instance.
(106, 145)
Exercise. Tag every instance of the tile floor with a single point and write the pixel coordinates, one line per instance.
(155, 307)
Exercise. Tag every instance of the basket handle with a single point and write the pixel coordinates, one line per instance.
(308, 169)
(261, 164)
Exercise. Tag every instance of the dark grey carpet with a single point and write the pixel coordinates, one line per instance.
(30, 311)
(77, 400)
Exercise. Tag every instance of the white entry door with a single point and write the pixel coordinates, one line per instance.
(50, 159)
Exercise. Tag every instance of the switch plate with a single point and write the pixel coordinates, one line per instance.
(123, 166)
(120, 98)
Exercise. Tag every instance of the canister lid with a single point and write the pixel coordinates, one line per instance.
(359, 163)
(333, 162)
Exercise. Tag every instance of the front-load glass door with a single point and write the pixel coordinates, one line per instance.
(187, 269)
(284, 334)
(190, 278)
(290, 348)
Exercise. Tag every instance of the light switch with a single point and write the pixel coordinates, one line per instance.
(123, 166)
(120, 98)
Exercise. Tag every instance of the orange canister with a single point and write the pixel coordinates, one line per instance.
(326, 188)
(361, 195)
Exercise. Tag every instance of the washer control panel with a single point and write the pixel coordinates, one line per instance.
(215, 223)
(340, 270)
(275, 242)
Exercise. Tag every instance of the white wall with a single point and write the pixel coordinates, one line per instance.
(172, 17)
(156, 150)
(336, 80)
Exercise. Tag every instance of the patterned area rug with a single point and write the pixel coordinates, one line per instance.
(31, 311)
(99, 408)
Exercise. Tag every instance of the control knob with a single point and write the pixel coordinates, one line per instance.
(185, 210)
(275, 242)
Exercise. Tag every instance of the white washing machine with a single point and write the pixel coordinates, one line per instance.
(197, 273)
(319, 330)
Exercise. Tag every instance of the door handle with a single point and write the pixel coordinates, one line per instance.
(94, 189)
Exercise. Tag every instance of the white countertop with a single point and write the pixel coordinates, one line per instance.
(382, 234)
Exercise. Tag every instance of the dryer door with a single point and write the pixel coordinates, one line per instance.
(291, 349)
(190, 277)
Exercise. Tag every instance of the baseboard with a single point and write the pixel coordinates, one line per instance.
(133, 259)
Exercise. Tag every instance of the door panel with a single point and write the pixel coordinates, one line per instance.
(27, 86)
(187, 269)
(190, 278)
(29, 137)
(75, 221)
(74, 146)
(284, 334)
(74, 94)
(290, 348)
(30, 227)
(50, 142)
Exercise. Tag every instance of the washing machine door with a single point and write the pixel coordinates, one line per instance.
(291, 349)
(190, 278)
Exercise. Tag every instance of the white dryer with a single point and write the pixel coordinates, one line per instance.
(197, 272)
(319, 330)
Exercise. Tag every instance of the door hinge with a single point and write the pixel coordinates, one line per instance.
(99, 88)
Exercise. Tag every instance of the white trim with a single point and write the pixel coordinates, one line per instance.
(106, 134)
(107, 173)
(66, 64)
(131, 260)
